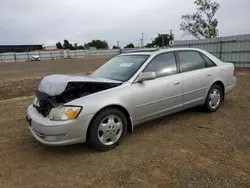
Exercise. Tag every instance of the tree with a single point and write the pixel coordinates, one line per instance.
(201, 24)
(161, 39)
(71, 47)
(59, 45)
(130, 46)
(86, 46)
(81, 47)
(66, 44)
(148, 45)
(75, 46)
(97, 44)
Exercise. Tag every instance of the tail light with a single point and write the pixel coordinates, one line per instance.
(234, 72)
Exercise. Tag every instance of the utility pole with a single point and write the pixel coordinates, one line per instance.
(170, 37)
(171, 32)
(118, 44)
(162, 40)
(142, 39)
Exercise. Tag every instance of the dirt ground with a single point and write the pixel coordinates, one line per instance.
(188, 149)
(23, 77)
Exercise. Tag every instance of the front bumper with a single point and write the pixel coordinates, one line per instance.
(57, 133)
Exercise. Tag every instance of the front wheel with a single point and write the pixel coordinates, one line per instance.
(214, 98)
(107, 129)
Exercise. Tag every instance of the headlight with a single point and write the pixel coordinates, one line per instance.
(63, 113)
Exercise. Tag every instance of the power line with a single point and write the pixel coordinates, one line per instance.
(183, 36)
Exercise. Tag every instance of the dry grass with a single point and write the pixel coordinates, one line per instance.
(187, 149)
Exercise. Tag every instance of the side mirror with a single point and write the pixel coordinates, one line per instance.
(146, 76)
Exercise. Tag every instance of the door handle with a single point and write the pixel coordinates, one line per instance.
(209, 74)
(177, 82)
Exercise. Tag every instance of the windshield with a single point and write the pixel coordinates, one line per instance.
(121, 68)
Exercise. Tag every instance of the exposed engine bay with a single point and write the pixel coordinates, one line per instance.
(76, 90)
(73, 90)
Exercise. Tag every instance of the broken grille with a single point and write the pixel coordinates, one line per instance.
(45, 103)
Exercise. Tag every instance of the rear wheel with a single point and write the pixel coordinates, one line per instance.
(107, 129)
(214, 98)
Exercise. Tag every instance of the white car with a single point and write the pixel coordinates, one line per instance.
(129, 89)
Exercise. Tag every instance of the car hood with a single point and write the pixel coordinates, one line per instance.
(56, 84)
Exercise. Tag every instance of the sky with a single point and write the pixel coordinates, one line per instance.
(49, 21)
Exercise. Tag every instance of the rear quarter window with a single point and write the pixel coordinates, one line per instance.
(209, 62)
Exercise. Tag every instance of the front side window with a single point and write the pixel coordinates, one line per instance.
(121, 68)
(162, 65)
(190, 61)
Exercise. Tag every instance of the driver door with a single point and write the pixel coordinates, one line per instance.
(160, 96)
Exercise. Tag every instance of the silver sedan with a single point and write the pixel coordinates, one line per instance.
(129, 89)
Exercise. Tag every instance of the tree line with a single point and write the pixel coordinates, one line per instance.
(98, 44)
(159, 41)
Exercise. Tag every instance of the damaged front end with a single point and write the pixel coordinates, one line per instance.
(57, 90)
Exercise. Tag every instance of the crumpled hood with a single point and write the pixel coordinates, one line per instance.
(56, 84)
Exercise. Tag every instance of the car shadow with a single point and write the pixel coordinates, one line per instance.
(70, 150)
(58, 150)
(198, 110)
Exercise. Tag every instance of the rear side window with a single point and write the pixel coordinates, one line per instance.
(191, 61)
(162, 65)
(209, 62)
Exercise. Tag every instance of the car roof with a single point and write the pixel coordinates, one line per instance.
(157, 51)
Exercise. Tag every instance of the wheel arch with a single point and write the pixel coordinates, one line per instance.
(221, 84)
(122, 109)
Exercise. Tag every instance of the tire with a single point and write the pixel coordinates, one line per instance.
(107, 129)
(214, 98)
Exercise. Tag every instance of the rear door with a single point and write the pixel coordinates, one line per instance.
(196, 77)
